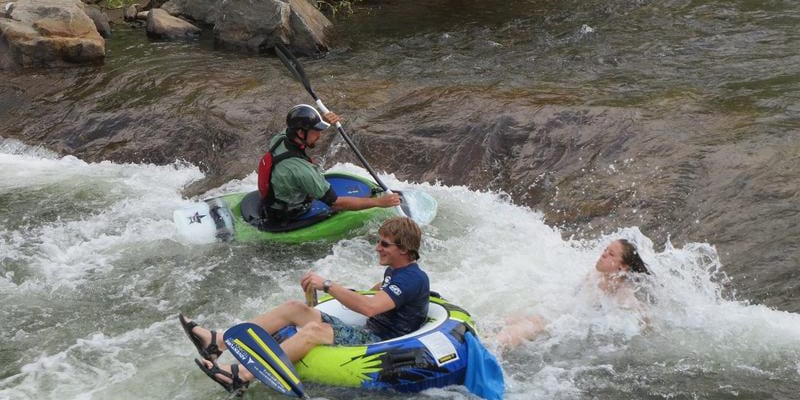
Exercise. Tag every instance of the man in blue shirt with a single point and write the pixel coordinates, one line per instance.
(399, 306)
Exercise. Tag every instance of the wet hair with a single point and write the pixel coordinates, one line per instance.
(631, 258)
(405, 233)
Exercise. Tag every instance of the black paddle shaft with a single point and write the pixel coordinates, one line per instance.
(291, 62)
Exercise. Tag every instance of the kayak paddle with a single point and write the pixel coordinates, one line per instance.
(257, 351)
(293, 65)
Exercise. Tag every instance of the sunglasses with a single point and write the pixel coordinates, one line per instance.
(386, 244)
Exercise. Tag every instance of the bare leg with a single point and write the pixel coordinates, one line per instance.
(518, 330)
(311, 335)
(289, 313)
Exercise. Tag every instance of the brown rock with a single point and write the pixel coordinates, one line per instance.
(48, 33)
(129, 14)
(164, 26)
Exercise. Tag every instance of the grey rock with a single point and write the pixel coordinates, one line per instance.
(100, 21)
(129, 13)
(257, 26)
(161, 25)
(200, 11)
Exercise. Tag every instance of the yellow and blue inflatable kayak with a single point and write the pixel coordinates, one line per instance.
(433, 356)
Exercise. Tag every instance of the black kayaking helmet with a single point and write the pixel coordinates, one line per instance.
(305, 117)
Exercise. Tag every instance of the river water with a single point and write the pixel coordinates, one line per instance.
(683, 116)
(91, 295)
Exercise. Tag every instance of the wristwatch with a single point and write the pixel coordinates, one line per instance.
(326, 285)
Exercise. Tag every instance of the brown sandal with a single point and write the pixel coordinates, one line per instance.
(237, 385)
(210, 352)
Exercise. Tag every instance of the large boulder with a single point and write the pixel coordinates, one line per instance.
(308, 26)
(256, 25)
(200, 11)
(253, 25)
(100, 21)
(45, 33)
(161, 25)
(153, 4)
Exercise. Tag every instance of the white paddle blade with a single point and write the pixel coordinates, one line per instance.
(419, 206)
(195, 224)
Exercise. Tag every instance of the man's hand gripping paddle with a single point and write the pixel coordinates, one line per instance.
(419, 206)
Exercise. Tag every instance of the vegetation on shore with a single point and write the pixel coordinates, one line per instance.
(111, 4)
(332, 6)
(335, 6)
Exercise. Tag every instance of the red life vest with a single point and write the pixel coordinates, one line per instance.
(267, 164)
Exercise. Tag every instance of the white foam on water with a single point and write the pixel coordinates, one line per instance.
(128, 365)
(500, 261)
(123, 204)
(496, 259)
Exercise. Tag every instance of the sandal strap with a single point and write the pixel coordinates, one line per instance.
(187, 325)
(217, 370)
(238, 383)
(212, 348)
(235, 372)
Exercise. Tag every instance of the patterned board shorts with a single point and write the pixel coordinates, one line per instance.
(344, 334)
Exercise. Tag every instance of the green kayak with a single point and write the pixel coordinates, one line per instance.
(236, 216)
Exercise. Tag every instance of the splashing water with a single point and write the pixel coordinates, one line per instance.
(92, 276)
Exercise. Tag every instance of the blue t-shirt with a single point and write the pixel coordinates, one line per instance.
(409, 288)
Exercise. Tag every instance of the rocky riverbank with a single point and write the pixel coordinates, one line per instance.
(64, 33)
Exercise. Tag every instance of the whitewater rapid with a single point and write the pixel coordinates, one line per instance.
(93, 275)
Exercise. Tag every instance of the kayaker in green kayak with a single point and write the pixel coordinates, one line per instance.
(288, 179)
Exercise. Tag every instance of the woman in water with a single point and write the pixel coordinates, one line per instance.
(619, 262)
